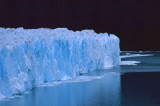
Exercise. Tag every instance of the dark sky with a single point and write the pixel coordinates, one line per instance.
(135, 22)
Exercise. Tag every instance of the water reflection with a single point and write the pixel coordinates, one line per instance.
(105, 91)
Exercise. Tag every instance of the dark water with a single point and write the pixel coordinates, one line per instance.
(120, 86)
(140, 89)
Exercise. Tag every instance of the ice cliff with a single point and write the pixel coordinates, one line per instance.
(30, 57)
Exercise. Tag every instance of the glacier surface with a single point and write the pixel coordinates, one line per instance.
(31, 57)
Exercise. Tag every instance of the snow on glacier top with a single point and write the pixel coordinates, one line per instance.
(10, 37)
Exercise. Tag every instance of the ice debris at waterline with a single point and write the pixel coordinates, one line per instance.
(30, 57)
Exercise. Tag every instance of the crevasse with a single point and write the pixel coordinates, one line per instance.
(30, 57)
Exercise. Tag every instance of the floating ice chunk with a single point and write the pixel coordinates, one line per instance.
(135, 55)
(129, 62)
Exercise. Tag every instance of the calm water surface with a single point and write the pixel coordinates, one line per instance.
(137, 85)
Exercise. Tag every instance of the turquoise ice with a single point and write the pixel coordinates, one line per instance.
(30, 57)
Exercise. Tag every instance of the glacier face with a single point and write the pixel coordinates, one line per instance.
(30, 57)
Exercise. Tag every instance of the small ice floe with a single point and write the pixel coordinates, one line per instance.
(129, 62)
(135, 55)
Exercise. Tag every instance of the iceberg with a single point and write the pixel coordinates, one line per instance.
(31, 57)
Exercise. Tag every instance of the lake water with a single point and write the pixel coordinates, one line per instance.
(127, 85)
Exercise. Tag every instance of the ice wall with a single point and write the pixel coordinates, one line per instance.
(30, 57)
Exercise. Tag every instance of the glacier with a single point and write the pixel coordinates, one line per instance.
(31, 57)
